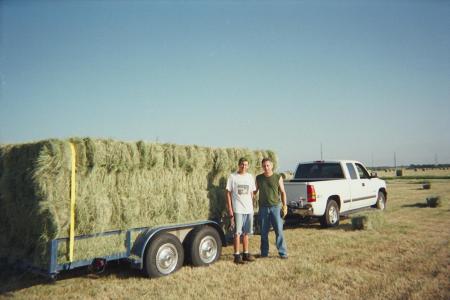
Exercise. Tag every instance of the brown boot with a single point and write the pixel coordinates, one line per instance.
(238, 259)
(248, 257)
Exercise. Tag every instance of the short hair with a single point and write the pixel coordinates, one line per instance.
(265, 159)
(242, 160)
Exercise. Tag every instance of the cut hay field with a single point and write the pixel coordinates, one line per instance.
(419, 172)
(407, 258)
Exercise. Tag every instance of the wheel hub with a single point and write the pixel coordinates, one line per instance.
(208, 249)
(166, 258)
(333, 215)
(381, 203)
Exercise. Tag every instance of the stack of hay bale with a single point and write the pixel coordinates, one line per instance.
(119, 185)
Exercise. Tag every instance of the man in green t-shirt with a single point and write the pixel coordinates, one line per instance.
(270, 186)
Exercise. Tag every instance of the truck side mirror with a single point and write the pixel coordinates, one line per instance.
(373, 175)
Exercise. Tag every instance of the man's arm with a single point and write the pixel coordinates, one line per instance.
(282, 191)
(229, 204)
(284, 209)
(257, 188)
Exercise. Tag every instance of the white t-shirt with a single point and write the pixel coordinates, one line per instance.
(241, 188)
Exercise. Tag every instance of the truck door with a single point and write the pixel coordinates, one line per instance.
(366, 196)
(355, 187)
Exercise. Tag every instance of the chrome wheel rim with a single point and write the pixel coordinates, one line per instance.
(381, 203)
(207, 249)
(333, 215)
(166, 258)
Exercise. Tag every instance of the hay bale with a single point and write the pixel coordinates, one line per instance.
(287, 175)
(368, 221)
(119, 186)
(434, 201)
(426, 185)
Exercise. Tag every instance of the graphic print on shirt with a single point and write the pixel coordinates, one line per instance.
(243, 189)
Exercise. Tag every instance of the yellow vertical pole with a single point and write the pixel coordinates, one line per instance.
(72, 202)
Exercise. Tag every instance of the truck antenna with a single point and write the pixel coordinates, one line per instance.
(321, 153)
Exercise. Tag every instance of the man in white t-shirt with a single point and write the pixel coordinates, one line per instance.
(240, 188)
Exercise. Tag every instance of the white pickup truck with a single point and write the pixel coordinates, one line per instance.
(328, 189)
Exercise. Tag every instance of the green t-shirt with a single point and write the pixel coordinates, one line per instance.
(269, 194)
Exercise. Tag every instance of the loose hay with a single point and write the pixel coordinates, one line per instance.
(372, 220)
(119, 186)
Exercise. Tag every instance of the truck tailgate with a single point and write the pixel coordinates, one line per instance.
(296, 194)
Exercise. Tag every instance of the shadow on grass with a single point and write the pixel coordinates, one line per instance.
(419, 205)
(13, 279)
(313, 223)
(298, 222)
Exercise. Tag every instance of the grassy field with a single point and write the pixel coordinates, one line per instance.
(414, 172)
(408, 258)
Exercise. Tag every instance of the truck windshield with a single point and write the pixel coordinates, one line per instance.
(319, 170)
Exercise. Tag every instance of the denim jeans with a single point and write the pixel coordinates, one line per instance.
(271, 215)
(243, 223)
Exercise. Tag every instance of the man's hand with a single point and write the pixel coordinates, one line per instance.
(284, 211)
(231, 227)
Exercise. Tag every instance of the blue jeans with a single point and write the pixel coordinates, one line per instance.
(271, 215)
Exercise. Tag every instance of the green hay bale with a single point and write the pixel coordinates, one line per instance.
(368, 221)
(119, 186)
(434, 201)
(287, 175)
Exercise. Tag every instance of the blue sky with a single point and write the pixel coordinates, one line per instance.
(363, 78)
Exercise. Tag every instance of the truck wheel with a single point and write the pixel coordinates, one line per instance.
(164, 255)
(205, 247)
(381, 201)
(331, 216)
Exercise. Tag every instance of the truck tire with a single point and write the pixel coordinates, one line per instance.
(164, 255)
(205, 247)
(331, 216)
(381, 201)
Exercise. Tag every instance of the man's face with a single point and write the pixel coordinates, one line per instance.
(267, 167)
(243, 167)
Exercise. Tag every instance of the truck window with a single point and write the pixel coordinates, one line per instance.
(351, 170)
(319, 170)
(362, 172)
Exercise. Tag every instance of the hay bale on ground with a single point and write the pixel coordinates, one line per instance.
(426, 185)
(434, 201)
(119, 186)
(368, 221)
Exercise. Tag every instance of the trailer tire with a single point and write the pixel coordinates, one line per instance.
(331, 216)
(205, 246)
(164, 255)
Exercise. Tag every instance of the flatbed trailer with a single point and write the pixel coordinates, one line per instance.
(157, 251)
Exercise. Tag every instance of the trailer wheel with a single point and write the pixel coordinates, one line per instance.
(164, 255)
(331, 216)
(205, 246)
